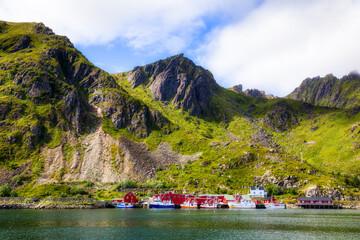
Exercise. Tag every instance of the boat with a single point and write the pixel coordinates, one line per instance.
(190, 203)
(125, 205)
(162, 204)
(209, 206)
(242, 205)
(275, 206)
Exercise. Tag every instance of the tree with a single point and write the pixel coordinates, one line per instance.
(5, 190)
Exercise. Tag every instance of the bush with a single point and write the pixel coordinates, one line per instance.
(5, 190)
(13, 193)
(77, 191)
(154, 184)
(19, 179)
(273, 190)
(291, 191)
(126, 184)
(88, 183)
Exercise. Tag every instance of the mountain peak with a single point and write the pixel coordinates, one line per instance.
(178, 80)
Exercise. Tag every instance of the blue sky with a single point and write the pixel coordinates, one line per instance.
(271, 45)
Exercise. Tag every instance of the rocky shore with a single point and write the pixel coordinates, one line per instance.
(57, 206)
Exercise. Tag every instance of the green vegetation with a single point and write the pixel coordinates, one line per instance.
(46, 85)
(5, 190)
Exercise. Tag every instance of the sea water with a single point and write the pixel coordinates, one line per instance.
(180, 224)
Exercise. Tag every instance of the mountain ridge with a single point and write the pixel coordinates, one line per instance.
(167, 124)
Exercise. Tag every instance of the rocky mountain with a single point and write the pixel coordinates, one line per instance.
(330, 91)
(251, 92)
(51, 95)
(179, 81)
(64, 123)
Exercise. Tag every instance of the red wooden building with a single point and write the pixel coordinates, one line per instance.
(307, 202)
(128, 198)
(269, 200)
(174, 197)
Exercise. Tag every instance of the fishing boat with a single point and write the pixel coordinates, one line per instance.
(275, 206)
(242, 205)
(125, 205)
(189, 203)
(162, 204)
(209, 206)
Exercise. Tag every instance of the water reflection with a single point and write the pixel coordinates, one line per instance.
(179, 224)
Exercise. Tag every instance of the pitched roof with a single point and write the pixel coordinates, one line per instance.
(257, 188)
(315, 199)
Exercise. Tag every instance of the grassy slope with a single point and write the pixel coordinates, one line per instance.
(229, 164)
(226, 164)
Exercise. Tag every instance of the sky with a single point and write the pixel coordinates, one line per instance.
(271, 45)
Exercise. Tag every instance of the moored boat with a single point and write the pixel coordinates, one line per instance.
(162, 204)
(242, 205)
(209, 206)
(190, 203)
(275, 206)
(125, 205)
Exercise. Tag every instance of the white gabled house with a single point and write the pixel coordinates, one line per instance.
(258, 192)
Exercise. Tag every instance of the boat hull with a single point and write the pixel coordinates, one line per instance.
(276, 206)
(122, 206)
(189, 206)
(242, 206)
(162, 206)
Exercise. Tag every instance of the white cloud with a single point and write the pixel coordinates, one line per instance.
(282, 42)
(156, 25)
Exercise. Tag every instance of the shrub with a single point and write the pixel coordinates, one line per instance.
(88, 183)
(19, 179)
(77, 191)
(126, 184)
(13, 193)
(5, 190)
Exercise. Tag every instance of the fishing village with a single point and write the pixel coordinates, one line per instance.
(257, 198)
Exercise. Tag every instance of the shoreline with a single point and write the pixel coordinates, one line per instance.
(102, 206)
(55, 206)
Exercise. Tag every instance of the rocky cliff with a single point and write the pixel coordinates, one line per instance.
(49, 91)
(178, 80)
(329, 91)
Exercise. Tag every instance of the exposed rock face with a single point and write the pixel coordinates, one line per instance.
(101, 158)
(238, 88)
(180, 81)
(255, 93)
(329, 91)
(281, 117)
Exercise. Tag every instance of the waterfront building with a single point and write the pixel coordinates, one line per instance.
(258, 192)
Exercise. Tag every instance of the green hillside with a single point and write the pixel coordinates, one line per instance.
(67, 128)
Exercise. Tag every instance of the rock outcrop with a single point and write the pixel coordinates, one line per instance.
(101, 158)
(329, 91)
(178, 80)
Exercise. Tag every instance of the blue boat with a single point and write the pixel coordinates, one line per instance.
(124, 205)
(160, 204)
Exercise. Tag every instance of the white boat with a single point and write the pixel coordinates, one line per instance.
(242, 205)
(275, 206)
(189, 204)
(209, 206)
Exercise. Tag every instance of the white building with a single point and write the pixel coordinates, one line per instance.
(258, 192)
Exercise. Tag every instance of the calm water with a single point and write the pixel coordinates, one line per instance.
(179, 224)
